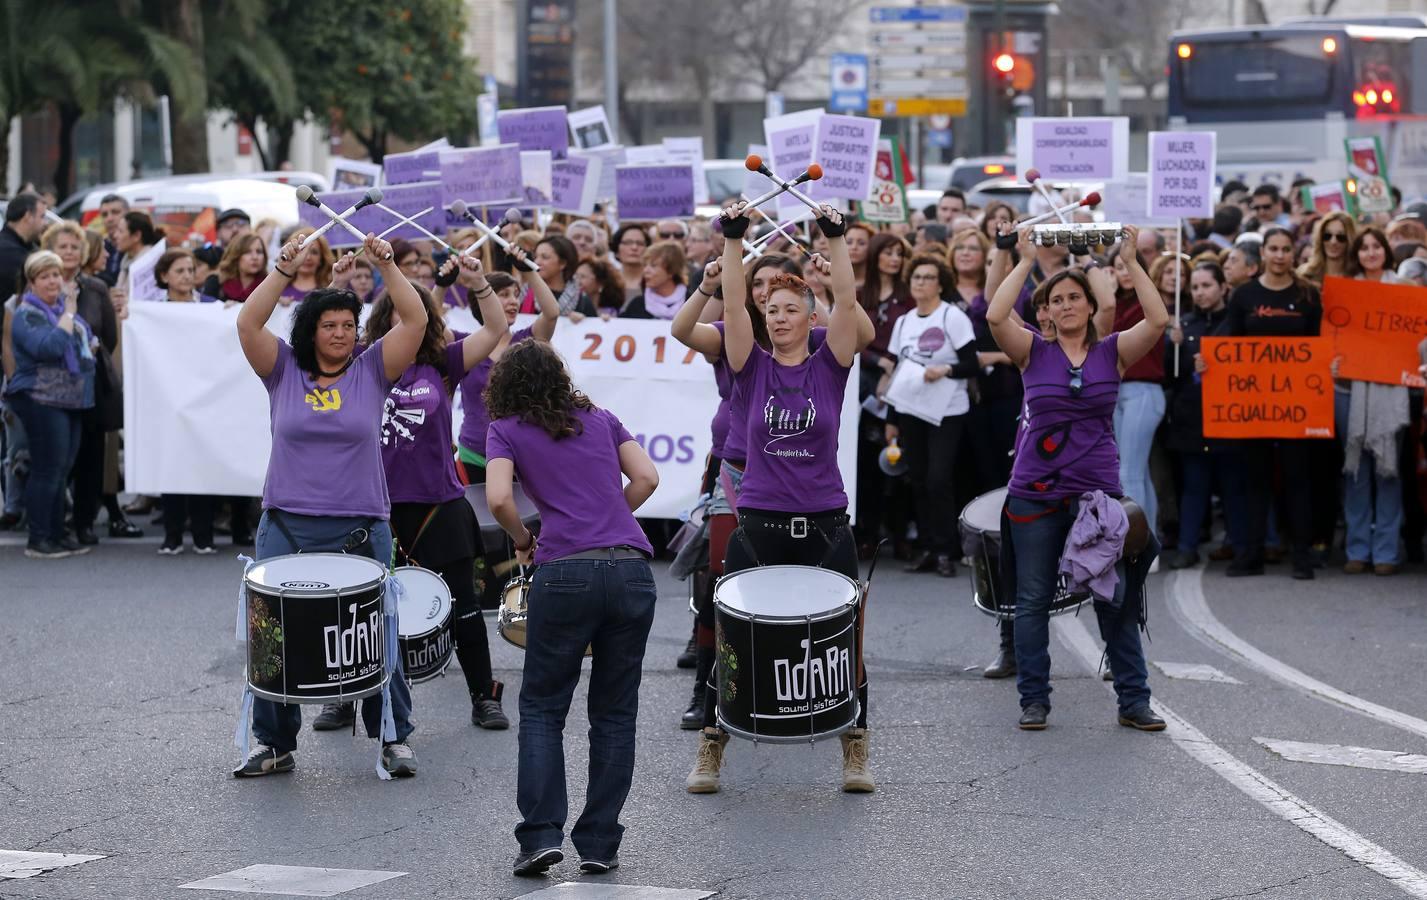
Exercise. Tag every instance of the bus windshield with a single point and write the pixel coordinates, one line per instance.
(1267, 70)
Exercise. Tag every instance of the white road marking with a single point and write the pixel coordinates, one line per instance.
(1195, 672)
(28, 863)
(1276, 799)
(1339, 755)
(296, 881)
(1186, 597)
(585, 890)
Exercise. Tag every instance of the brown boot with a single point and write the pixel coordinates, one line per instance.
(703, 778)
(856, 773)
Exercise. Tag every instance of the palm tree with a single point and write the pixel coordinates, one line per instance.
(246, 56)
(43, 60)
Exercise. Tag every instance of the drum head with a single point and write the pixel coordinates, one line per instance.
(425, 600)
(984, 513)
(315, 574)
(786, 592)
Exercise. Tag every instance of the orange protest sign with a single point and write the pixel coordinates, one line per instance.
(1375, 328)
(1268, 387)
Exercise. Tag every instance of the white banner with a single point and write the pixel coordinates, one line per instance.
(196, 417)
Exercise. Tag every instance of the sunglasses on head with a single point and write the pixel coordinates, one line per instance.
(1077, 380)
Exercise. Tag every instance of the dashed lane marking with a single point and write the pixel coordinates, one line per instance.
(1340, 755)
(1280, 802)
(295, 881)
(28, 863)
(1195, 672)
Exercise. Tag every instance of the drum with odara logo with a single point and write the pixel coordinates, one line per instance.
(423, 623)
(315, 628)
(786, 638)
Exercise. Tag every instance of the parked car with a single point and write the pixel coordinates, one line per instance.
(83, 206)
(187, 208)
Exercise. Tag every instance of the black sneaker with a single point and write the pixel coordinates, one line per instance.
(1033, 717)
(536, 862)
(598, 866)
(690, 655)
(1245, 567)
(335, 716)
(399, 759)
(1142, 720)
(73, 546)
(123, 528)
(264, 760)
(46, 550)
(1303, 573)
(85, 535)
(486, 712)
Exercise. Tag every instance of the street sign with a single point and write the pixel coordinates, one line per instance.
(917, 64)
(849, 83)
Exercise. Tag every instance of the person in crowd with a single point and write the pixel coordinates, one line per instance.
(557, 258)
(51, 387)
(601, 283)
(134, 233)
(1276, 304)
(937, 339)
(801, 481)
(699, 247)
(242, 269)
(592, 587)
(1140, 404)
(68, 241)
(665, 285)
(230, 224)
(859, 239)
(327, 403)
(313, 271)
(408, 258)
(996, 214)
(432, 524)
(1413, 271)
(24, 223)
(1329, 256)
(1204, 463)
(1243, 263)
(1228, 219)
(1371, 420)
(951, 204)
(589, 239)
(362, 280)
(1237, 193)
(1072, 385)
(629, 243)
(1266, 204)
(425, 273)
(111, 208)
(928, 236)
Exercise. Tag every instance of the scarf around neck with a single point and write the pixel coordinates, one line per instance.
(71, 352)
(664, 307)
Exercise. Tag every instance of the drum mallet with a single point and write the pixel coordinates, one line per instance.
(460, 209)
(306, 195)
(512, 217)
(1033, 178)
(754, 163)
(403, 220)
(1091, 199)
(761, 244)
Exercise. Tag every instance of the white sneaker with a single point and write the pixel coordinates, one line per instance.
(171, 550)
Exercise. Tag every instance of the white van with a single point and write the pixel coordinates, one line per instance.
(187, 208)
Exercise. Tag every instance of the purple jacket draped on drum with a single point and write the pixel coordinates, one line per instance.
(1093, 547)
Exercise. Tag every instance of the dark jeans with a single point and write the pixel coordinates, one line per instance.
(1202, 471)
(194, 510)
(575, 603)
(87, 479)
(277, 724)
(1039, 530)
(931, 467)
(54, 443)
(1292, 457)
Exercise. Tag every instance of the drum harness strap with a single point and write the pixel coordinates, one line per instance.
(798, 528)
(405, 553)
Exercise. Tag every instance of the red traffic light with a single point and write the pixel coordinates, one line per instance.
(1005, 63)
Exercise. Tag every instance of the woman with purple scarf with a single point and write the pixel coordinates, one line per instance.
(53, 383)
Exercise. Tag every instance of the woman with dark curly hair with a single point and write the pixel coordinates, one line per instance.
(326, 489)
(592, 587)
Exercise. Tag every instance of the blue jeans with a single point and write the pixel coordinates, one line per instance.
(17, 458)
(1201, 472)
(54, 442)
(1138, 411)
(575, 603)
(1037, 544)
(277, 724)
(1372, 504)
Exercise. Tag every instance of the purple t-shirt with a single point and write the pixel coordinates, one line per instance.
(735, 445)
(791, 426)
(293, 294)
(476, 420)
(575, 482)
(326, 455)
(723, 377)
(1069, 447)
(416, 432)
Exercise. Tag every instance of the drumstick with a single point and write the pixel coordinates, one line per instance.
(862, 614)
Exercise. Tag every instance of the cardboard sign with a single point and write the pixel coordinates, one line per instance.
(1268, 387)
(610, 158)
(1127, 200)
(481, 175)
(352, 173)
(417, 165)
(1366, 165)
(1330, 196)
(690, 151)
(541, 128)
(791, 140)
(368, 219)
(590, 128)
(142, 285)
(654, 192)
(888, 202)
(1181, 173)
(1376, 329)
(846, 148)
(535, 176)
(1091, 149)
(574, 184)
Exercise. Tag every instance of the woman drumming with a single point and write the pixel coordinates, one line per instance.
(471, 443)
(326, 489)
(792, 474)
(592, 587)
(1071, 384)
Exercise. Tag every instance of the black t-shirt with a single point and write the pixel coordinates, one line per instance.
(1256, 311)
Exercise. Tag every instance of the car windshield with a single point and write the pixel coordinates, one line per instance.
(725, 183)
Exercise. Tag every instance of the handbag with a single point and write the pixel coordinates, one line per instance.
(58, 387)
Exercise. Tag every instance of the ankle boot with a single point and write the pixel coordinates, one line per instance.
(693, 717)
(703, 778)
(486, 710)
(690, 655)
(856, 772)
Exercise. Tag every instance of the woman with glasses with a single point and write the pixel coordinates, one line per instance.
(1331, 237)
(1072, 383)
(629, 243)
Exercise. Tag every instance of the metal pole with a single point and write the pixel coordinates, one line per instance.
(1178, 271)
(611, 67)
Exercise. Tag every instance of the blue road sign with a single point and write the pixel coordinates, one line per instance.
(849, 83)
(913, 14)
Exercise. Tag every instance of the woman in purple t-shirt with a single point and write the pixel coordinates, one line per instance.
(1067, 450)
(325, 487)
(792, 508)
(592, 587)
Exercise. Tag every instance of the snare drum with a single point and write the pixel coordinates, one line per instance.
(980, 525)
(514, 607)
(315, 628)
(787, 653)
(423, 623)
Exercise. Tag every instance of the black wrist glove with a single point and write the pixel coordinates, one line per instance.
(1006, 241)
(734, 228)
(443, 279)
(831, 229)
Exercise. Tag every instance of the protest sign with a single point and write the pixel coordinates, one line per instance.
(654, 192)
(574, 183)
(1367, 166)
(1181, 183)
(141, 272)
(590, 128)
(535, 176)
(610, 158)
(647, 155)
(410, 199)
(487, 108)
(1127, 200)
(689, 151)
(481, 176)
(541, 128)
(755, 183)
(351, 173)
(367, 219)
(1376, 329)
(1090, 149)
(846, 148)
(1268, 387)
(791, 139)
(416, 165)
(888, 202)
(1330, 196)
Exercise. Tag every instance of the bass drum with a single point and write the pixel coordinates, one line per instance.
(423, 623)
(510, 621)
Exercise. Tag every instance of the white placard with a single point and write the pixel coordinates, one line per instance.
(141, 274)
(690, 150)
(791, 141)
(1088, 149)
(589, 129)
(346, 174)
(535, 176)
(609, 158)
(1126, 201)
(1181, 183)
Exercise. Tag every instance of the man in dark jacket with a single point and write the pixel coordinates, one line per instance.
(24, 220)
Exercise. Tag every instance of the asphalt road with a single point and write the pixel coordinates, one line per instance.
(120, 680)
